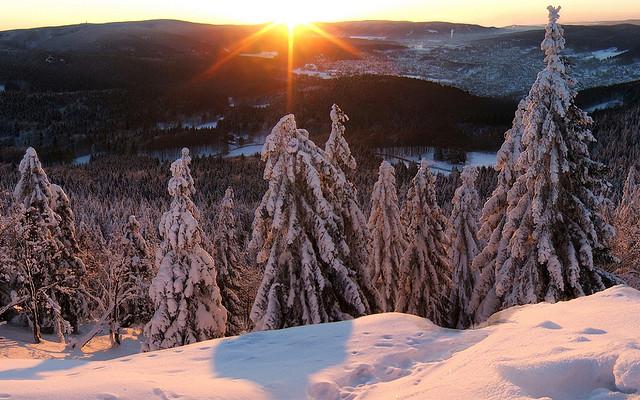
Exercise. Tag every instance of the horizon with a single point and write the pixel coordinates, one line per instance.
(132, 21)
(498, 13)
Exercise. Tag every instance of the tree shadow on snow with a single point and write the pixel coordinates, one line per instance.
(36, 372)
(283, 361)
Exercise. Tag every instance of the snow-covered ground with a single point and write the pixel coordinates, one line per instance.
(313, 73)
(587, 348)
(607, 53)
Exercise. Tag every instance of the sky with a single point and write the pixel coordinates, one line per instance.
(36, 13)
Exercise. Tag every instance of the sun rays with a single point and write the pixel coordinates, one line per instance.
(291, 29)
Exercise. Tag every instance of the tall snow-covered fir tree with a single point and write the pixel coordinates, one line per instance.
(299, 237)
(387, 239)
(137, 273)
(425, 269)
(554, 236)
(49, 268)
(463, 233)
(226, 254)
(493, 217)
(188, 305)
(355, 223)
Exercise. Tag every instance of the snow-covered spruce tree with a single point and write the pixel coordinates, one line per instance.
(188, 306)
(137, 272)
(493, 217)
(226, 253)
(74, 305)
(355, 223)
(553, 237)
(425, 269)
(298, 235)
(35, 284)
(48, 267)
(387, 239)
(463, 231)
(627, 242)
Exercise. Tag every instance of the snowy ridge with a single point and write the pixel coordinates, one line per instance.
(586, 348)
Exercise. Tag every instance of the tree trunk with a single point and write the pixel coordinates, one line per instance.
(34, 321)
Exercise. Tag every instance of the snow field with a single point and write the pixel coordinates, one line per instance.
(588, 348)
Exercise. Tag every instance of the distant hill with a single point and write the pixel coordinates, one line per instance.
(150, 36)
(404, 29)
(161, 36)
(624, 37)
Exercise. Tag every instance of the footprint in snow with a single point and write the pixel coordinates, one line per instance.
(593, 331)
(160, 393)
(548, 325)
(107, 396)
(580, 339)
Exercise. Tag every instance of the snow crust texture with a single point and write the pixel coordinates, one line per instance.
(586, 348)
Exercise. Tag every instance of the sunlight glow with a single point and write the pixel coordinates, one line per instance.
(32, 13)
(293, 27)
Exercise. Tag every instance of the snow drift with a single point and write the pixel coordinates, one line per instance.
(584, 348)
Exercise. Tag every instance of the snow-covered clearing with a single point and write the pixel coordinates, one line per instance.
(607, 53)
(587, 348)
(261, 54)
(605, 105)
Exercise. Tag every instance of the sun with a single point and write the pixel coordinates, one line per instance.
(293, 13)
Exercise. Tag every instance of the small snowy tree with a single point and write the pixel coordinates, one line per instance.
(8, 259)
(227, 257)
(554, 236)
(627, 242)
(424, 268)
(137, 273)
(629, 206)
(355, 223)
(463, 229)
(74, 305)
(298, 235)
(337, 148)
(47, 266)
(387, 241)
(188, 306)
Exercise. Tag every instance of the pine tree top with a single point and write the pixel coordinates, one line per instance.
(228, 201)
(337, 148)
(34, 185)
(181, 182)
(554, 41)
(386, 170)
(469, 175)
(337, 115)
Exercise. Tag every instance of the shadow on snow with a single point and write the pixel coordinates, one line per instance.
(283, 361)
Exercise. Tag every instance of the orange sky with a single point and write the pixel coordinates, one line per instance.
(34, 13)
